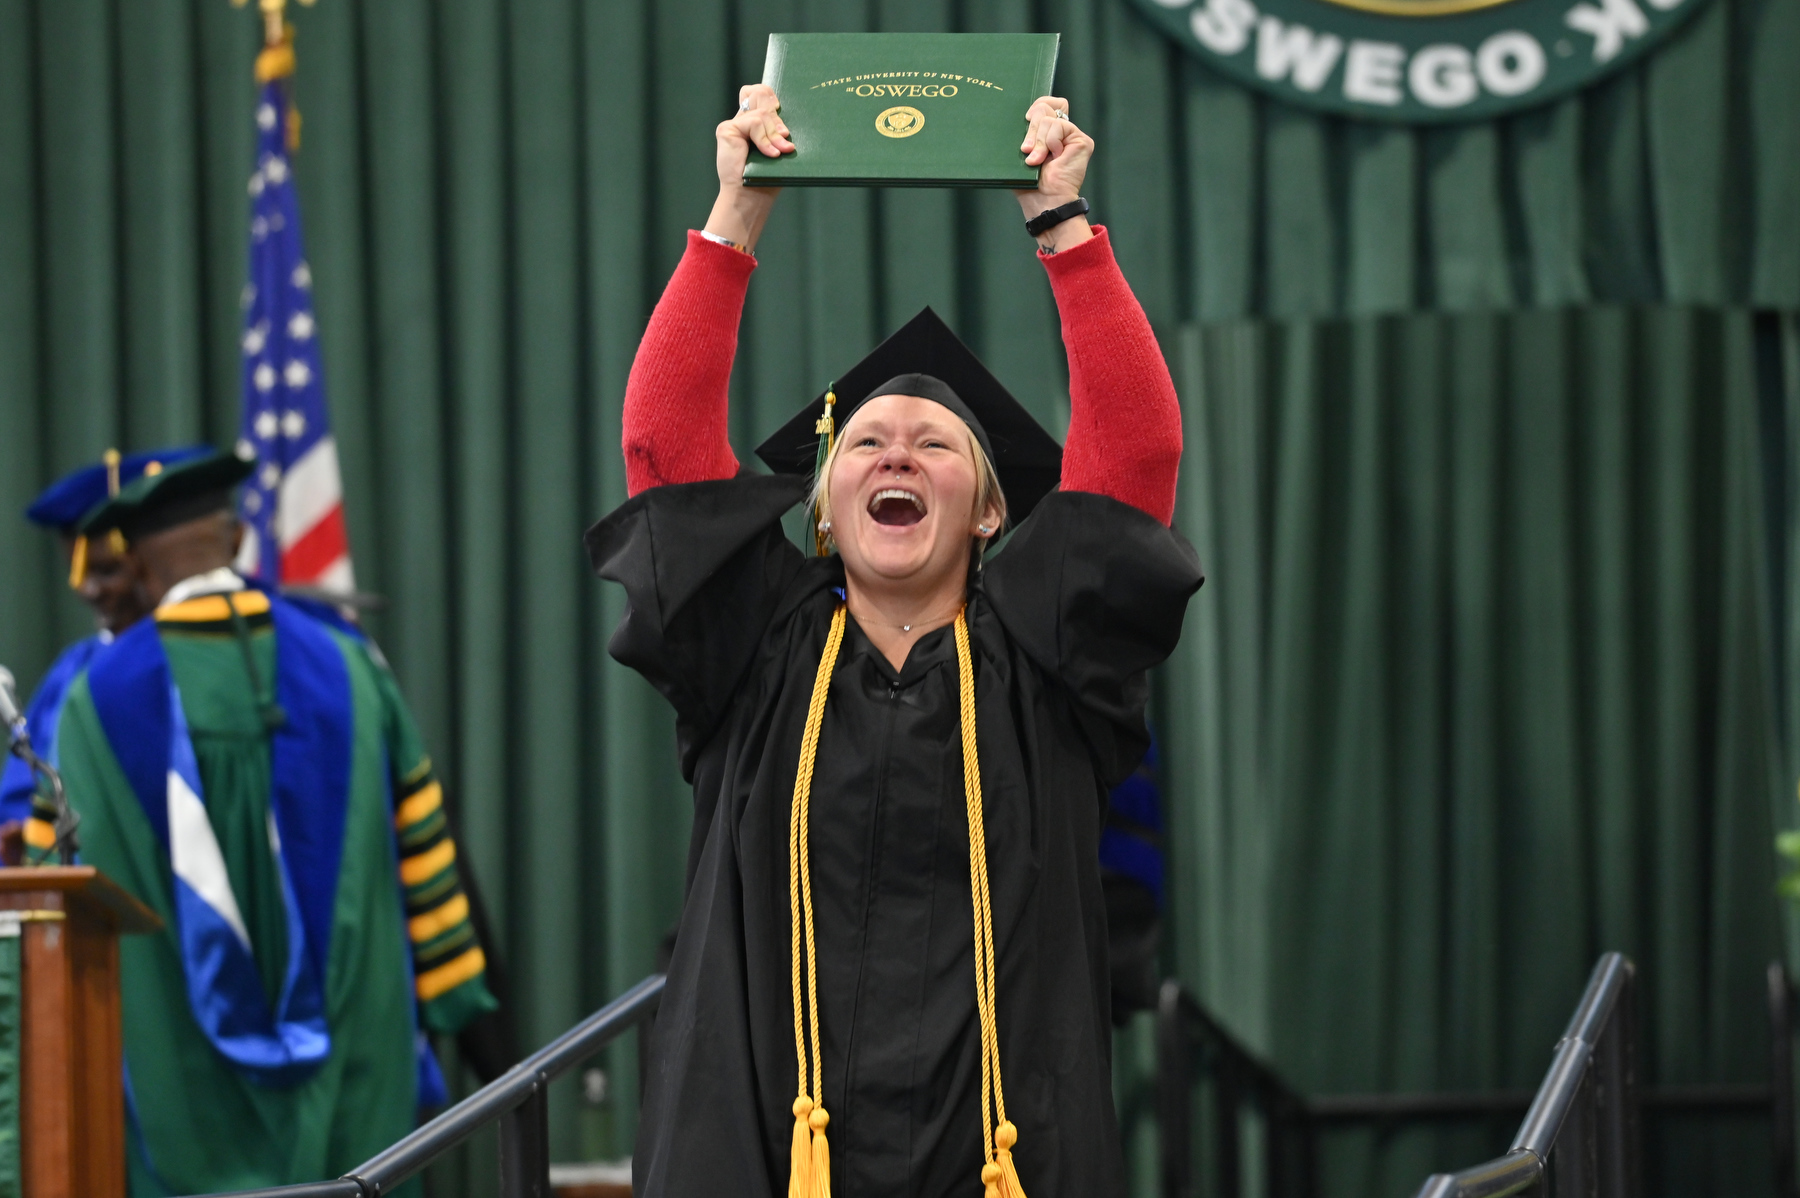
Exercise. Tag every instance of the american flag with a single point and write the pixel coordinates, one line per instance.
(292, 506)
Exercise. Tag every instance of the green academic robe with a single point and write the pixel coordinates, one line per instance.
(200, 1124)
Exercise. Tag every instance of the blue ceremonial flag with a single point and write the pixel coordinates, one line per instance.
(292, 506)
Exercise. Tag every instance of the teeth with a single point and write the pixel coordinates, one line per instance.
(895, 493)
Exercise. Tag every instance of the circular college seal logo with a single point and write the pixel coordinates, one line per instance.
(1417, 60)
(899, 122)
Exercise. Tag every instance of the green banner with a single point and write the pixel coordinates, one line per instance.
(1418, 61)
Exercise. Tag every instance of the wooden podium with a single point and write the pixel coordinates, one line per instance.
(71, 1078)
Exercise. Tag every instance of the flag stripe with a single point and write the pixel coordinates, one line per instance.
(310, 490)
(324, 545)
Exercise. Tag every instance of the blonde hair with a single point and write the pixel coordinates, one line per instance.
(987, 484)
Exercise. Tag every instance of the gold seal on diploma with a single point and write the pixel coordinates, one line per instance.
(899, 122)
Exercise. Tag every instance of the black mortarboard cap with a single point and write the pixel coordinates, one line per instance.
(179, 493)
(926, 359)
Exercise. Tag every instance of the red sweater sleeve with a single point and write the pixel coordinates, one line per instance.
(677, 399)
(1124, 420)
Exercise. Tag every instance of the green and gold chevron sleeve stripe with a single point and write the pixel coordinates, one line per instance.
(448, 965)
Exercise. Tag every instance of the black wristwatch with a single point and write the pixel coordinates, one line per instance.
(1048, 219)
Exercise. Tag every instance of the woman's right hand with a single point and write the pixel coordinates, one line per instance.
(739, 213)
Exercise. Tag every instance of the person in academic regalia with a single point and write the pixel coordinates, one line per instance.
(252, 774)
(890, 975)
(97, 573)
(1131, 878)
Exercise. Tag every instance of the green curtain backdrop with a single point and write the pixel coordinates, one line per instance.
(1487, 684)
(493, 193)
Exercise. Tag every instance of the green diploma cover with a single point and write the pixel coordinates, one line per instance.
(904, 109)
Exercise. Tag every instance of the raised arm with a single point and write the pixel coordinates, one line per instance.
(677, 399)
(1124, 421)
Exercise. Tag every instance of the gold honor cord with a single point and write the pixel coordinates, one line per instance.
(998, 1175)
(809, 1174)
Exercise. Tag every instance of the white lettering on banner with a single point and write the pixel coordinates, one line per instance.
(1223, 26)
(1609, 25)
(1281, 49)
(1442, 76)
(1510, 63)
(1372, 72)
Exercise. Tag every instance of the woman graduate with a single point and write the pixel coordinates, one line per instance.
(890, 976)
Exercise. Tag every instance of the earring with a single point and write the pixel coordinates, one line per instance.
(824, 526)
(983, 529)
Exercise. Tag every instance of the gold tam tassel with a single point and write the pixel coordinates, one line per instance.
(78, 560)
(826, 427)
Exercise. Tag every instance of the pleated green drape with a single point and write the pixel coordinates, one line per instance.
(493, 193)
(1485, 682)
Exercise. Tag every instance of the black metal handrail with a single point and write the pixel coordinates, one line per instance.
(1239, 1080)
(1583, 1125)
(1292, 1121)
(517, 1100)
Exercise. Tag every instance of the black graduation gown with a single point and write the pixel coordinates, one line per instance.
(727, 619)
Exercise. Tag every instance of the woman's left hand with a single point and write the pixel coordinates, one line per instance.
(1061, 151)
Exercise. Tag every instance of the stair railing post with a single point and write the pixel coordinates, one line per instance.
(1781, 1079)
(1174, 1093)
(1616, 1102)
(1631, 1159)
(1572, 1154)
(525, 1146)
(1275, 1146)
(1228, 1123)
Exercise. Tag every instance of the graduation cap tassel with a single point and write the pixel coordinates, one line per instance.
(78, 562)
(827, 430)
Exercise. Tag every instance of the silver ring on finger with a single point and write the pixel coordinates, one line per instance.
(744, 104)
(1059, 114)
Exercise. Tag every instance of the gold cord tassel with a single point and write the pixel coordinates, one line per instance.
(78, 564)
(800, 1164)
(821, 1155)
(1005, 1136)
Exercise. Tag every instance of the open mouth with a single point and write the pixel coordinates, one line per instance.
(896, 508)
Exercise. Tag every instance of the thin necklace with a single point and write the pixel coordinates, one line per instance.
(908, 627)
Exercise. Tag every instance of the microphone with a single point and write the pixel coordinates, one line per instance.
(9, 702)
(67, 843)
